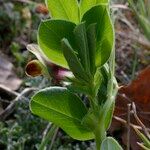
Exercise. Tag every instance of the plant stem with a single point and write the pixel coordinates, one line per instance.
(48, 137)
(53, 139)
(128, 127)
(100, 135)
(98, 144)
(134, 65)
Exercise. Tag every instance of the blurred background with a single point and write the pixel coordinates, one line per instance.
(19, 21)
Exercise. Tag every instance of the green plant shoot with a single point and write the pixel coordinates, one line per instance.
(80, 37)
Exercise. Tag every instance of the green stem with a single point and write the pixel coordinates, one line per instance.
(134, 65)
(48, 137)
(100, 135)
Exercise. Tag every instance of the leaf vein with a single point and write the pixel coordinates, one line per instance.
(58, 111)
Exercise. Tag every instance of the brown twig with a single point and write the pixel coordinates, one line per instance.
(131, 125)
(25, 1)
(119, 6)
(139, 121)
(5, 90)
(12, 105)
(128, 126)
(4, 101)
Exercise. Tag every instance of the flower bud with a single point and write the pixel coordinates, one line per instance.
(34, 68)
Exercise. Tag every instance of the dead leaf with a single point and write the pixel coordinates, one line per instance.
(7, 74)
(139, 93)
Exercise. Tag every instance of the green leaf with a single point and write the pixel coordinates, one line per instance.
(143, 146)
(91, 37)
(145, 24)
(109, 115)
(98, 79)
(102, 94)
(50, 34)
(82, 46)
(66, 110)
(144, 139)
(85, 5)
(104, 32)
(91, 120)
(77, 86)
(80, 89)
(63, 9)
(110, 144)
(107, 104)
(73, 61)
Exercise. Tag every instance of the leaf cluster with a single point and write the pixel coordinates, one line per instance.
(79, 38)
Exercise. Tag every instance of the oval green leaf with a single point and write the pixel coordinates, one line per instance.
(73, 62)
(63, 9)
(104, 32)
(66, 110)
(110, 144)
(50, 34)
(85, 5)
(82, 45)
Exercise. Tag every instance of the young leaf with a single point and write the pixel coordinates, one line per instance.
(66, 110)
(91, 120)
(50, 34)
(80, 89)
(98, 79)
(88, 4)
(63, 9)
(77, 86)
(91, 38)
(82, 45)
(102, 91)
(73, 61)
(110, 144)
(104, 32)
(109, 115)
